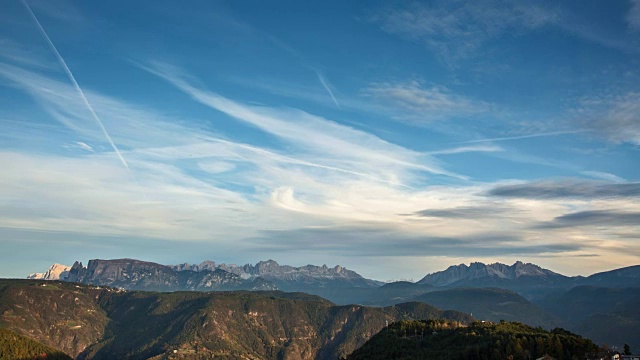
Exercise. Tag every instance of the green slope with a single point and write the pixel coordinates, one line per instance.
(17, 347)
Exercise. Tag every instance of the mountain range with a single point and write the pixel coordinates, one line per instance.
(600, 306)
(134, 274)
(529, 280)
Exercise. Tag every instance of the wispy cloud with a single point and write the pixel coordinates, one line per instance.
(615, 118)
(80, 145)
(76, 85)
(312, 178)
(604, 176)
(568, 189)
(473, 212)
(23, 55)
(209, 187)
(425, 103)
(383, 243)
(527, 136)
(633, 16)
(609, 218)
(457, 29)
(327, 87)
(466, 149)
(347, 146)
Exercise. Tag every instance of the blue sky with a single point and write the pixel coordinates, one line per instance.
(394, 138)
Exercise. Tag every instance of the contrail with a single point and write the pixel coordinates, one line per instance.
(326, 86)
(75, 84)
(282, 45)
(524, 136)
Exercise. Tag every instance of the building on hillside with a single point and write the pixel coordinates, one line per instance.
(546, 357)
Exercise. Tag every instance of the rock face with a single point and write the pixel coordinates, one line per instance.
(133, 274)
(478, 270)
(55, 272)
(290, 278)
(205, 265)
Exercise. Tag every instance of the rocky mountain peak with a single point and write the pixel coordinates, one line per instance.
(55, 272)
(268, 265)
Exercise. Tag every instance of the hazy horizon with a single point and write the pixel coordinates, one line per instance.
(413, 279)
(395, 139)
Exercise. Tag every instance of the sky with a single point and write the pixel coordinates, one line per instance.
(392, 138)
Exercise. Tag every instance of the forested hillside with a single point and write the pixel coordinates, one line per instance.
(18, 347)
(441, 339)
(103, 323)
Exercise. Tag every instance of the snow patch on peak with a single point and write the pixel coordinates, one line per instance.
(55, 272)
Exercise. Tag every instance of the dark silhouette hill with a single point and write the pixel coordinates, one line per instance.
(439, 339)
(491, 304)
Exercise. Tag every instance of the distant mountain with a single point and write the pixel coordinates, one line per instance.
(491, 304)
(606, 315)
(478, 271)
(15, 346)
(397, 292)
(102, 323)
(290, 278)
(529, 280)
(620, 278)
(133, 274)
(602, 306)
(582, 301)
(437, 339)
(55, 272)
(527, 274)
(265, 275)
(337, 283)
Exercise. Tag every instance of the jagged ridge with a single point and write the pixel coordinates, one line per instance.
(141, 275)
(286, 276)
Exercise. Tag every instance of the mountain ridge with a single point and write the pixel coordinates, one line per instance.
(478, 270)
(271, 269)
(91, 322)
(447, 277)
(132, 274)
